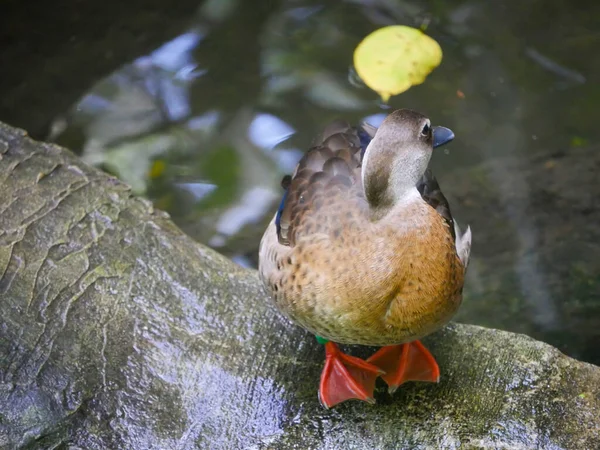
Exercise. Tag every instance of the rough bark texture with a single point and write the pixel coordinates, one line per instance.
(118, 331)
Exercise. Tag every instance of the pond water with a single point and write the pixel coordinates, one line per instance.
(207, 124)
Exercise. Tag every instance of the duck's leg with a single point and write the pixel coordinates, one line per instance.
(345, 377)
(405, 362)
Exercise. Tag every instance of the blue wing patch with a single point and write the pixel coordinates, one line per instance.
(365, 139)
(279, 211)
(285, 184)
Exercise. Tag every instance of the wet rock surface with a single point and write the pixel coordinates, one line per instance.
(118, 331)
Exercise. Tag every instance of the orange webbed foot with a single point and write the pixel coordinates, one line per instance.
(405, 362)
(346, 377)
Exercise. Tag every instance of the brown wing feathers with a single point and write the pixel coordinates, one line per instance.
(432, 194)
(329, 163)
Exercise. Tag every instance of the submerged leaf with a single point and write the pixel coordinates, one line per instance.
(392, 59)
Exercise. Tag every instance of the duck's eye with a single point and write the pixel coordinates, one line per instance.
(425, 130)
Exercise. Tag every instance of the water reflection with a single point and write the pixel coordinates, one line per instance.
(206, 125)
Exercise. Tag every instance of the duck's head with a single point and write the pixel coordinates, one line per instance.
(398, 155)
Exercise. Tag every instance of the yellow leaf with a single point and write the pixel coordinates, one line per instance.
(392, 59)
(578, 141)
(157, 169)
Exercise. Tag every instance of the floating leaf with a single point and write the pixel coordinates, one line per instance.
(392, 59)
(578, 141)
(157, 169)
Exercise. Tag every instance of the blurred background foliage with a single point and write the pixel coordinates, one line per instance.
(207, 123)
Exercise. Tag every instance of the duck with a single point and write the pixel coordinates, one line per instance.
(364, 250)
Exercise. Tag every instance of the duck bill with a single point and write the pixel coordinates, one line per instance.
(441, 136)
